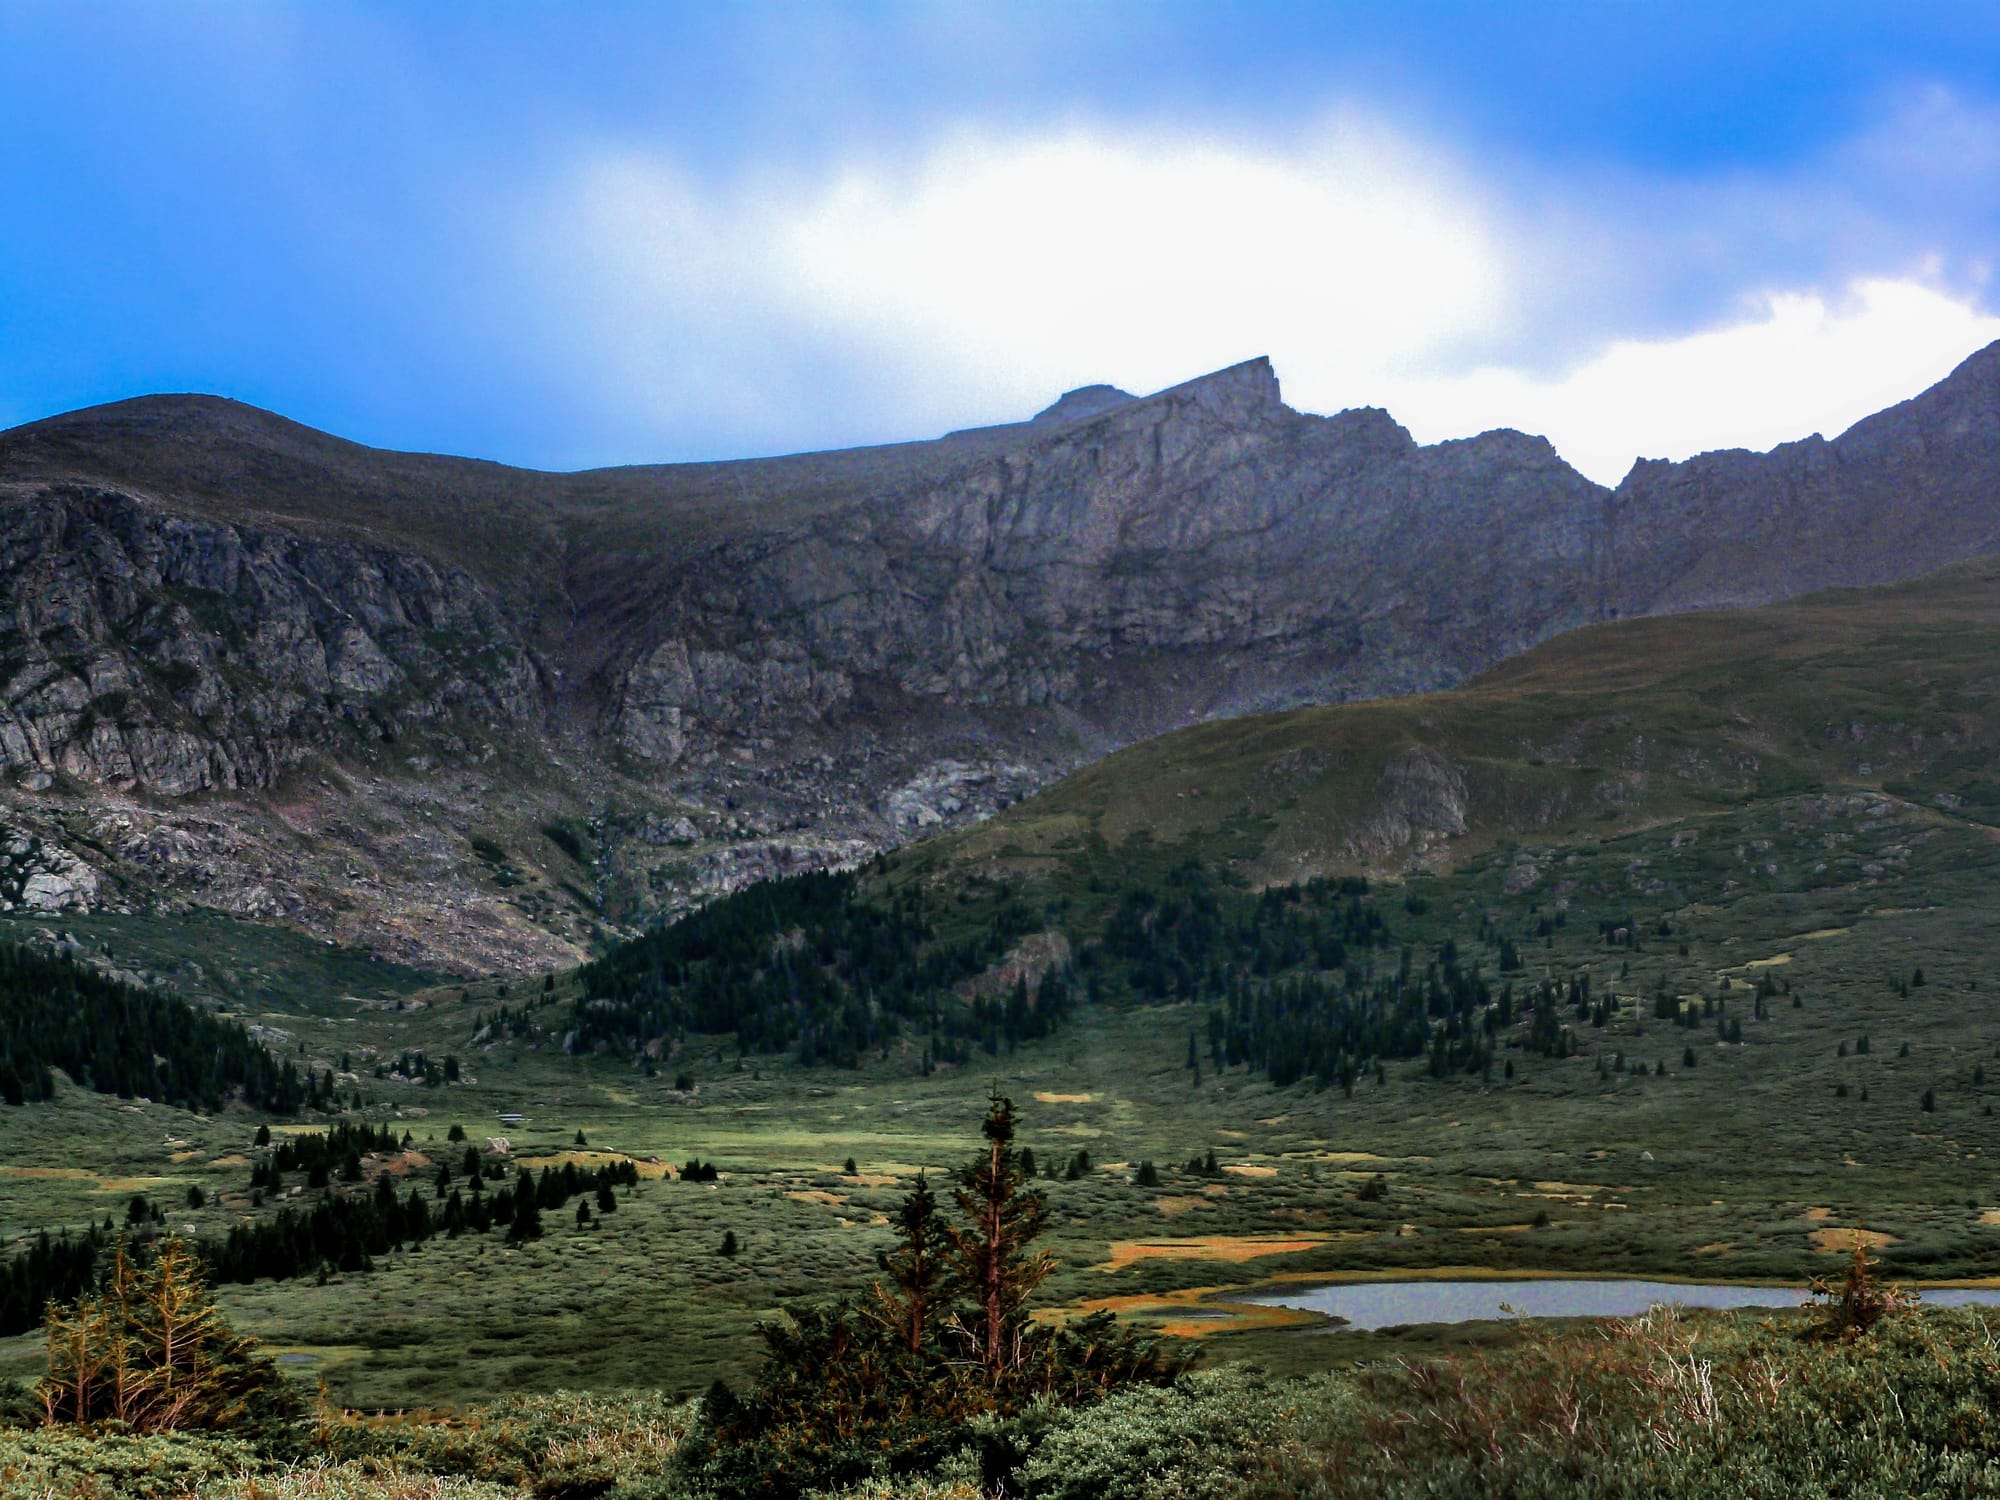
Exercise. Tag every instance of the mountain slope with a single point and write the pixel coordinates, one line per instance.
(1886, 694)
(254, 667)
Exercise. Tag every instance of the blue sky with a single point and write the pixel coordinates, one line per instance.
(563, 236)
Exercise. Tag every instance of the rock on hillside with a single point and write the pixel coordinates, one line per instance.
(325, 678)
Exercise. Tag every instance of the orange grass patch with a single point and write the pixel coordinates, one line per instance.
(1576, 1189)
(1044, 1097)
(1249, 1171)
(77, 1174)
(1230, 1247)
(1188, 1314)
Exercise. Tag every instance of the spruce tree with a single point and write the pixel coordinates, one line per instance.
(917, 1269)
(994, 1267)
(527, 1223)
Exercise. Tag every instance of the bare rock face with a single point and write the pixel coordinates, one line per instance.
(790, 662)
(142, 649)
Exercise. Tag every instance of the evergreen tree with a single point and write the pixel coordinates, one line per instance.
(152, 1353)
(917, 1269)
(527, 1221)
(994, 1266)
(844, 1395)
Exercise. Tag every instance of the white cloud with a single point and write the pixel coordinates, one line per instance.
(985, 277)
(977, 279)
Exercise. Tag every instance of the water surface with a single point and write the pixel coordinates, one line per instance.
(1392, 1304)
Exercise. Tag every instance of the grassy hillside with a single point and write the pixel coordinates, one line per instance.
(1598, 733)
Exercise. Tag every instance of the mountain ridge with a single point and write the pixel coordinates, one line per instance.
(716, 672)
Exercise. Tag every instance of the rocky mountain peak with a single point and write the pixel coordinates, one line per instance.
(1083, 402)
(1957, 408)
(1239, 392)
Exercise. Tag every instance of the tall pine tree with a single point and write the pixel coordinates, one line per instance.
(994, 1266)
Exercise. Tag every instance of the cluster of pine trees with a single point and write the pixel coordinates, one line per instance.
(53, 1268)
(945, 1341)
(1332, 1028)
(811, 963)
(121, 1039)
(343, 1231)
(1185, 940)
(319, 1153)
(1296, 980)
(338, 1231)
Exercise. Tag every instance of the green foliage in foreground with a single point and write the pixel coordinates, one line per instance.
(944, 1349)
(1658, 1408)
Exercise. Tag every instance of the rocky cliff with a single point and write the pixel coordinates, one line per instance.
(471, 714)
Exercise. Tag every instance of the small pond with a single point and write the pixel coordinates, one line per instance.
(1393, 1304)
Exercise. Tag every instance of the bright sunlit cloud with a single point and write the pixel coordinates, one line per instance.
(978, 279)
(983, 279)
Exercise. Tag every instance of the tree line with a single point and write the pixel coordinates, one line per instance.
(818, 965)
(122, 1039)
(342, 1230)
(1305, 983)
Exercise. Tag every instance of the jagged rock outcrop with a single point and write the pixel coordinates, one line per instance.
(803, 659)
(142, 649)
(1900, 494)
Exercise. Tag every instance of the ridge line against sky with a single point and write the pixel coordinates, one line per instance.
(645, 233)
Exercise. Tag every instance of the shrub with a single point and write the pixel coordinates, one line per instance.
(945, 1357)
(1198, 1438)
(63, 1463)
(153, 1352)
(1663, 1407)
(568, 1443)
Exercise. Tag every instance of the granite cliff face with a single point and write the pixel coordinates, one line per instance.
(470, 714)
